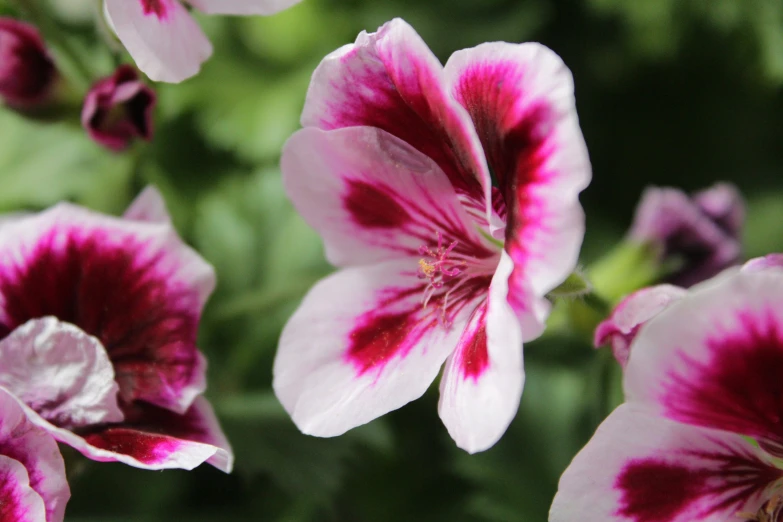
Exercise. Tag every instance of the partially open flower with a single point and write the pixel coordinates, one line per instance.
(119, 109)
(27, 72)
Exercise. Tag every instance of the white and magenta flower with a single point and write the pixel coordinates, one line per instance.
(98, 320)
(33, 487)
(163, 38)
(27, 72)
(439, 261)
(700, 437)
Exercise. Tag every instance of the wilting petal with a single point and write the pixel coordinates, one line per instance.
(621, 327)
(164, 40)
(521, 100)
(373, 197)
(642, 468)
(360, 345)
(134, 286)
(61, 372)
(715, 358)
(391, 80)
(152, 438)
(32, 473)
(482, 380)
(242, 7)
(148, 206)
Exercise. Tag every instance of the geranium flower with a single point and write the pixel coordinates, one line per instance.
(700, 437)
(27, 73)
(98, 318)
(33, 487)
(438, 262)
(163, 38)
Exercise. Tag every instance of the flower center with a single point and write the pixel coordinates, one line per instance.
(771, 511)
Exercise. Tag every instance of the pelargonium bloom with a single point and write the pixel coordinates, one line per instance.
(33, 487)
(98, 321)
(700, 235)
(163, 38)
(118, 109)
(700, 437)
(27, 72)
(438, 261)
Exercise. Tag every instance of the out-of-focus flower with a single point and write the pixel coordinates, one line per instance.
(98, 318)
(620, 328)
(700, 437)
(699, 235)
(33, 487)
(27, 72)
(163, 38)
(118, 109)
(437, 264)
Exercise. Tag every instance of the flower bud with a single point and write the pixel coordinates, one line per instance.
(118, 109)
(27, 72)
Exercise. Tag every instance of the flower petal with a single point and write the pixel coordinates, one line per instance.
(360, 345)
(164, 40)
(61, 372)
(373, 197)
(391, 80)
(152, 438)
(482, 380)
(764, 262)
(32, 472)
(242, 7)
(520, 97)
(134, 286)
(148, 206)
(642, 468)
(623, 324)
(715, 358)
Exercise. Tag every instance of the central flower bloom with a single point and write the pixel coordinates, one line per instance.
(437, 264)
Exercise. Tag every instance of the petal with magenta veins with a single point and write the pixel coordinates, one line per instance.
(482, 380)
(362, 344)
(161, 36)
(642, 468)
(135, 286)
(715, 357)
(520, 98)
(242, 7)
(373, 197)
(391, 80)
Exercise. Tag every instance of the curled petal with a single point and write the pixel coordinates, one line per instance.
(641, 468)
(636, 309)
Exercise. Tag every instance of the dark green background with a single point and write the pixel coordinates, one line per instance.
(669, 92)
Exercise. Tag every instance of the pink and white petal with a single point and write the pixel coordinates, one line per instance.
(18, 501)
(133, 285)
(622, 326)
(148, 206)
(361, 345)
(373, 197)
(765, 262)
(61, 372)
(391, 80)
(161, 36)
(37, 453)
(521, 99)
(715, 357)
(153, 438)
(242, 7)
(642, 468)
(482, 380)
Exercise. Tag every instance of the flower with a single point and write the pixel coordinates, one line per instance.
(98, 320)
(621, 327)
(436, 264)
(163, 38)
(33, 487)
(119, 108)
(700, 436)
(700, 235)
(27, 72)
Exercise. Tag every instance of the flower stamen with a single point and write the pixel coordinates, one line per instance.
(440, 266)
(771, 511)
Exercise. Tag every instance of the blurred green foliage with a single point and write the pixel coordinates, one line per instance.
(678, 92)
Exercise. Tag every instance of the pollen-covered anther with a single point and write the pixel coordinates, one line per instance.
(771, 511)
(440, 266)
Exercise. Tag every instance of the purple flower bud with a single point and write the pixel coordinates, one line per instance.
(27, 72)
(118, 109)
(698, 236)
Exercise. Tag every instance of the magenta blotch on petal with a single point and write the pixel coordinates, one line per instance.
(27, 72)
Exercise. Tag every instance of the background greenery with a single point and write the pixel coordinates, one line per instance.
(669, 92)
